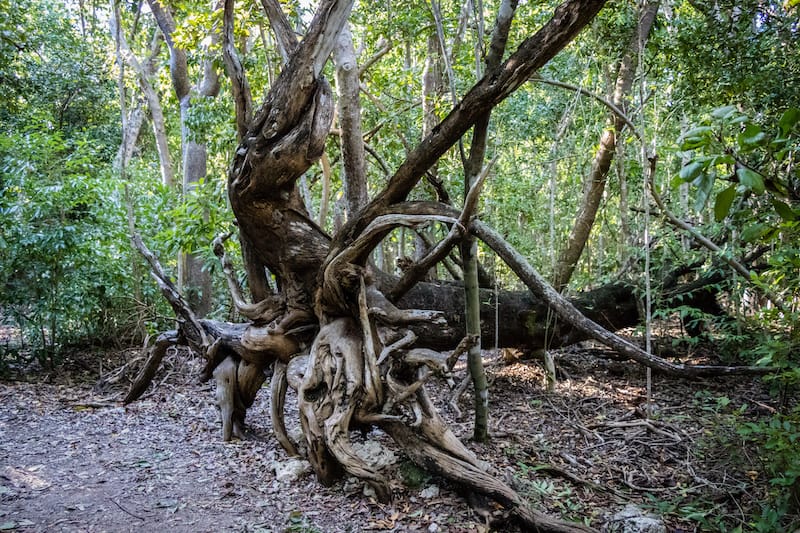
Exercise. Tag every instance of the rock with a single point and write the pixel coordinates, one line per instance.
(433, 528)
(429, 492)
(633, 520)
(291, 469)
(375, 454)
(369, 492)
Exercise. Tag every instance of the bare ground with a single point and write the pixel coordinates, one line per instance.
(73, 459)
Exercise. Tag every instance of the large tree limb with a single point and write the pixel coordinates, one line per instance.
(568, 19)
(566, 311)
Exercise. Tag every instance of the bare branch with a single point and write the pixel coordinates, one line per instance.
(564, 309)
(443, 248)
(285, 37)
(610, 105)
(265, 310)
(242, 98)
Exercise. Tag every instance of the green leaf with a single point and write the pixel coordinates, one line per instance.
(697, 132)
(723, 112)
(692, 170)
(751, 136)
(676, 182)
(785, 212)
(722, 205)
(704, 185)
(754, 232)
(751, 179)
(789, 118)
(723, 160)
(691, 143)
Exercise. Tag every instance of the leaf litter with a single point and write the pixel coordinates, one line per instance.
(72, 458)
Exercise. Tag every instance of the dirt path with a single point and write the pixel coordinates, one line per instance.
(73, 460)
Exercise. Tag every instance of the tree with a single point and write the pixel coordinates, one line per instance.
(368, 360)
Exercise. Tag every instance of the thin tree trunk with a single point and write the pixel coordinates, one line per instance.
(144, 74)
(596, 180)
(192, 278)
(133, 127)
(469, 247)
(353, 158)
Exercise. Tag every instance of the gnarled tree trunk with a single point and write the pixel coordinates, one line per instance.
(353, 356)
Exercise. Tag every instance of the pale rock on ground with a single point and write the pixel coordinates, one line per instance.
(633, 520)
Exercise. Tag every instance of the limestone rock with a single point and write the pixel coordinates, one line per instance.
(633, 520)
(291, 469)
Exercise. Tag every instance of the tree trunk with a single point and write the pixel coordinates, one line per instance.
(145, 71)
(349, 106)
(192, 278)
(133, 126)
(596, 180)
(469, 247)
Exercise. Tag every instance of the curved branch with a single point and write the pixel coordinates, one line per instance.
(443, 247)
(378, 227)
(263, 311)
(242, 98)
(613, 108)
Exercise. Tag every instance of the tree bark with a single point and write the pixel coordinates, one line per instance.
(145, 71)
(133, 127)
(349, 106)
(596, 180)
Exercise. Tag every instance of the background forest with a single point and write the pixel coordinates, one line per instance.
(669, 149)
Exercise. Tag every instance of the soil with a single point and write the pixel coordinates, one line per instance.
(72, 458)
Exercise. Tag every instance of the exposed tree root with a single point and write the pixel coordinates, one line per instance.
(277, 403)
(446, 463)
(148, 371)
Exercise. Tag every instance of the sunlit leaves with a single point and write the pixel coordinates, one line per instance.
(751, 136)
(730, 146)
(789, 120)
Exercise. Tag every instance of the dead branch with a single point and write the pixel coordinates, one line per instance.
(566, 311)
(610, 105)
(443, 248)
(148, 371)
(242, 98)
(264, 311)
